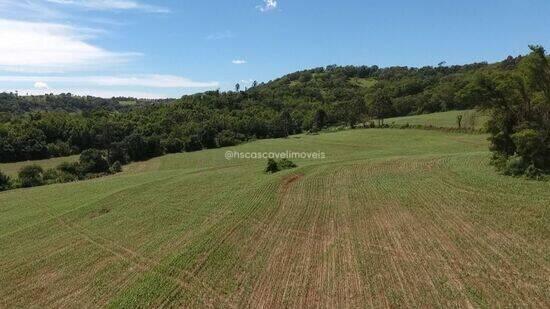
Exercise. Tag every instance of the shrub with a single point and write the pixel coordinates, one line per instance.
(69, 168)
(285, 164)
(51, 176)
(226, 138)
(272, 166)
(92, 161)
(31, 176)
(116, 167)
(5, 182)
(59, 149)
(529, 145)
(534, 173)
(193, 143)
(515, 166)
(172, 145)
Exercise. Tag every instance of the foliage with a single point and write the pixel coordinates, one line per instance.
(519, 101)
(5, 182)
(31, 176)
(93, 161)
(285, 164)
(272, 166)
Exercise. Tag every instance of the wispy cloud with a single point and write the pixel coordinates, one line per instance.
(102, 93)
(268, 5)
(50, 47)
(239, 61)
(112, 5)
(143, 80)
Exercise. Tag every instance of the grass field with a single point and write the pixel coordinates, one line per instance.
(443, 119)
(390, 218)
(11, 169)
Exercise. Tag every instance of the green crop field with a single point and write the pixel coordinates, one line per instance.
(390, 218)
(471, 119)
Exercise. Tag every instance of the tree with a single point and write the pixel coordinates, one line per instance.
(286, 123)
(519, 102)
(380, 106)
(319, 119)
(31, 176)
(237, 87)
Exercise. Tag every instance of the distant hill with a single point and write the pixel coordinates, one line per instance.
(41, 127)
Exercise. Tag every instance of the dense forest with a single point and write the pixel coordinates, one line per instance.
(40, 127)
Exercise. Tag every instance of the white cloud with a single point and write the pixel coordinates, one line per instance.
(144, 80)
(112, 5)
(92, 92)
(268, 5)
(41, 85)
(239, 61)
(50, 47)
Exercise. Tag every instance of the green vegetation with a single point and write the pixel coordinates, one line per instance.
(41, 127)
(274, 166)
(519, 102)
(92, 163)
(11, 169)
(471, 119)
(394, 217)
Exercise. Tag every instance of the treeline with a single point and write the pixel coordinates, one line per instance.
(303, 101)
(12, 104)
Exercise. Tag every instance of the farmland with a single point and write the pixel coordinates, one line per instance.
(389, 218)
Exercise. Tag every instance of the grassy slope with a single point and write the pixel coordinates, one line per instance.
(11, 169)
(441, 120)
(391, 217)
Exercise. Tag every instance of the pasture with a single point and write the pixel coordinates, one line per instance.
(471, 119)
(11, 169)
(390, 218)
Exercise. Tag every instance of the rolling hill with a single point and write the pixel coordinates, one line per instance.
(390, 218)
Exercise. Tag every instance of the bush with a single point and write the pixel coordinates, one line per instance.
(69, 168)
(529, 145)
(31, 176)
(51, 176)
(226, 138)
(92, 161)
(534, 173)
(515, 166)
(5, 182)
(59, 149)
(193, 143)
(172, 145)
(116, 167)
(285, 164)
(272, 166)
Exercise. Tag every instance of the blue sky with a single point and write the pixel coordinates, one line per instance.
(167, 48)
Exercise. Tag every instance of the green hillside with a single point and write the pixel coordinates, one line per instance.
(11, 169)
(397, 218)
(471, 119)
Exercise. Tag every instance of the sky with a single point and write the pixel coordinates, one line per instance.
(169, 48)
